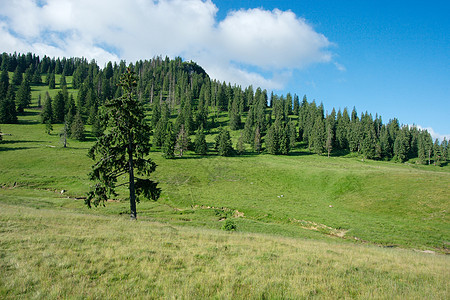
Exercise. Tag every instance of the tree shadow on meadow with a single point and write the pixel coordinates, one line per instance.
(5, 145)
(299, 153)
(9, 142)
(2, 148)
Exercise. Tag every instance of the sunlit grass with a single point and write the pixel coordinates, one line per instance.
(60, 254)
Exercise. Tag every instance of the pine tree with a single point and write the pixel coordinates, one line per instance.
(260, 115)
(36, 79)
(401, 145)
(62, 81)
(369, 141)
(296, 105)
(39, 102)
(48, 127)
(422, 153)
(329, 142)
(272, 140)
(437, 153)
(257, 141)
(353, 133)
(283, 133)
(182, 142)
(97, 128)
(4, 83)
(51, 81)
(17, 77)
(292, 135)
(248, 127)
(159, 134)
(156, 113)
(8, 114)
(58, 106)
(123, 149)
(444, 149)
(23, 96)
(77, 128)
(235, 116)
(319, 135)
(64, 134)
(385, 143)
(341, 130)
(428, 141)
(200, 145)
(240, 147)
(168, 146)
(187, 115)
(223, 143)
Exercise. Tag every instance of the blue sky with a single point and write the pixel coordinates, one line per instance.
(395, 57)
(385, 57)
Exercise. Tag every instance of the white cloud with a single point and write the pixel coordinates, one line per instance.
(340, 67)
(275, 42)
(434, 134)
(271, 39)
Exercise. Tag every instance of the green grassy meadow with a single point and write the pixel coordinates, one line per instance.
(307, 226)
(59, 253)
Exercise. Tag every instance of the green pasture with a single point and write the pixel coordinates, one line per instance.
(395, 205)
(57, 253)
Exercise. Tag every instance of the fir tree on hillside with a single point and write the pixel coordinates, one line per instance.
(77, 128)
(17, 77)
(240, 147)
(4, 83)
(8, 114)
(182, 142)
(319, 135)
(272, 140)
(23, 96)
(123, 150)
(59, 107)
(168, 146)
(257, 142)
(223, 143)
(51, 81)
(200, 145)
(437, 155)
(47, 111)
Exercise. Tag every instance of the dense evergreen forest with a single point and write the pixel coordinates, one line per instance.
(183, 101)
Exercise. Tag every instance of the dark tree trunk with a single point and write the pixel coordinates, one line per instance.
(133, 213)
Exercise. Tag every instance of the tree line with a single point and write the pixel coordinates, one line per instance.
(182, 101)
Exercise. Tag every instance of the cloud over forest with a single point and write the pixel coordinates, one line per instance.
(253, 46)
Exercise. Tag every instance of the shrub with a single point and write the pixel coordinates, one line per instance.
(229, 225)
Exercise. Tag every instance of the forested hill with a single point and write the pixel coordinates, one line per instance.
(183, 100)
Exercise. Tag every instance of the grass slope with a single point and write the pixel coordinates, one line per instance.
(50, 253)
(379, 202)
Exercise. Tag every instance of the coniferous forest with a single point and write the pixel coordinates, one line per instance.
(183, 104)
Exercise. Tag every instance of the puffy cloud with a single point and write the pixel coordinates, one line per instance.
(271, 39)
(252, 46)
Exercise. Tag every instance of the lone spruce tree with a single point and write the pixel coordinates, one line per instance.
(123, 150)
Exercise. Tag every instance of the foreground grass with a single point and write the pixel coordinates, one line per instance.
(50, 253)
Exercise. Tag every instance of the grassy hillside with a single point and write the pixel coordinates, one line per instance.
(307, 225)
(54, 253)
(378, 202)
